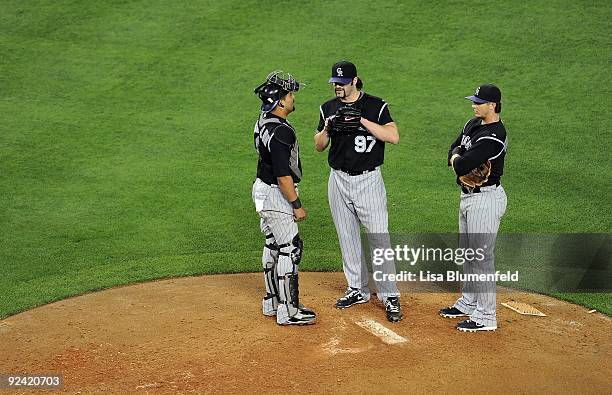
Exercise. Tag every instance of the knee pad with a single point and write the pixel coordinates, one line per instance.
(270, 252)
(293, 250)
(298, 248)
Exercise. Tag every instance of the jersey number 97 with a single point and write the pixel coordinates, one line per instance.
(364, 143)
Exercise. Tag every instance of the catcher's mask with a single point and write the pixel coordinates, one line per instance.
(276, 86)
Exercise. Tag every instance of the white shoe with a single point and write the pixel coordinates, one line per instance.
(303, 316)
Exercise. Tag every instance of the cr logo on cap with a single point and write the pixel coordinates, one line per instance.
(477, 91)
(339, 71)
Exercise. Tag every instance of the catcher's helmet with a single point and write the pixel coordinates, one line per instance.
(277, 85)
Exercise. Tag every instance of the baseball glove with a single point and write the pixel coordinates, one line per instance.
(477, 176)
(346, 121)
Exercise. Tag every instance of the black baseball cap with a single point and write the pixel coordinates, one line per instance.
(487, 93)
(343, 72)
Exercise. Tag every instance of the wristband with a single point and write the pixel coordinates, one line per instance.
(296, 204)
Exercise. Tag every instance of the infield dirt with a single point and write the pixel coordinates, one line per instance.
(207, 334)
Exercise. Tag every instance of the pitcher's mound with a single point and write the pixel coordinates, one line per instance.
(207, 334)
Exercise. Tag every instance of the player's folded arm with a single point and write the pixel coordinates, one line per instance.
(456, 143)
(479, 153)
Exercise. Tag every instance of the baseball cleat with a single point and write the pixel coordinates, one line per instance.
(306, 310)
(393, 309)
(352, 296)
(304, 316)
(471, 326)
(452, 312)
(270, 309)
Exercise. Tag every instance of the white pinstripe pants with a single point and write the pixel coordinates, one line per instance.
(356, 200)
(275, 212)
(479, 218)
(276, 218)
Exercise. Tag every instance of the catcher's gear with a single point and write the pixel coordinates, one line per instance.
(478, 176)
(289, 311)
(276, 86)
(346, 121)
(293, 250)
(269, 261)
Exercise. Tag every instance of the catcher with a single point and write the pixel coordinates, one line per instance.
(477, 158)
(279, 170)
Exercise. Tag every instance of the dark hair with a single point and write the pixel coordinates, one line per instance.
(498, 107)
(359, 84)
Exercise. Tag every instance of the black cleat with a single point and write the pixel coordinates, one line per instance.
(304, 316)
(352, 296)
(471, 326)
(393, 309)
(452, 312)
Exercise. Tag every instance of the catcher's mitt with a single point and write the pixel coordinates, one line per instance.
(477, 176)
(346, 121)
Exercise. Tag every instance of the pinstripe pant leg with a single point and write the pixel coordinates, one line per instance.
(281, 225)
(371, 208)
(347, 227)
(283, 228)
(277, 217)
(467, 302)
(483, 223)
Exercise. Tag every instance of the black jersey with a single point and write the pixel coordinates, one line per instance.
(361, 151)
(277, 146)
(482, 142)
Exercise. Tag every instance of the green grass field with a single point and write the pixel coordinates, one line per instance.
(126, 128)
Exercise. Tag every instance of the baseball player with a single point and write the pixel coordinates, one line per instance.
(358, 125)
(477, 158)
(275, 195)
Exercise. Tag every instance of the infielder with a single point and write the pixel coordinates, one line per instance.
(477, 157)
(275, 195)
(358, 126)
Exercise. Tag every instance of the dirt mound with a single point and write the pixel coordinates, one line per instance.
(207, 334)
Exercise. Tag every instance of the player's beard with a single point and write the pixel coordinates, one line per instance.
(346, 93)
